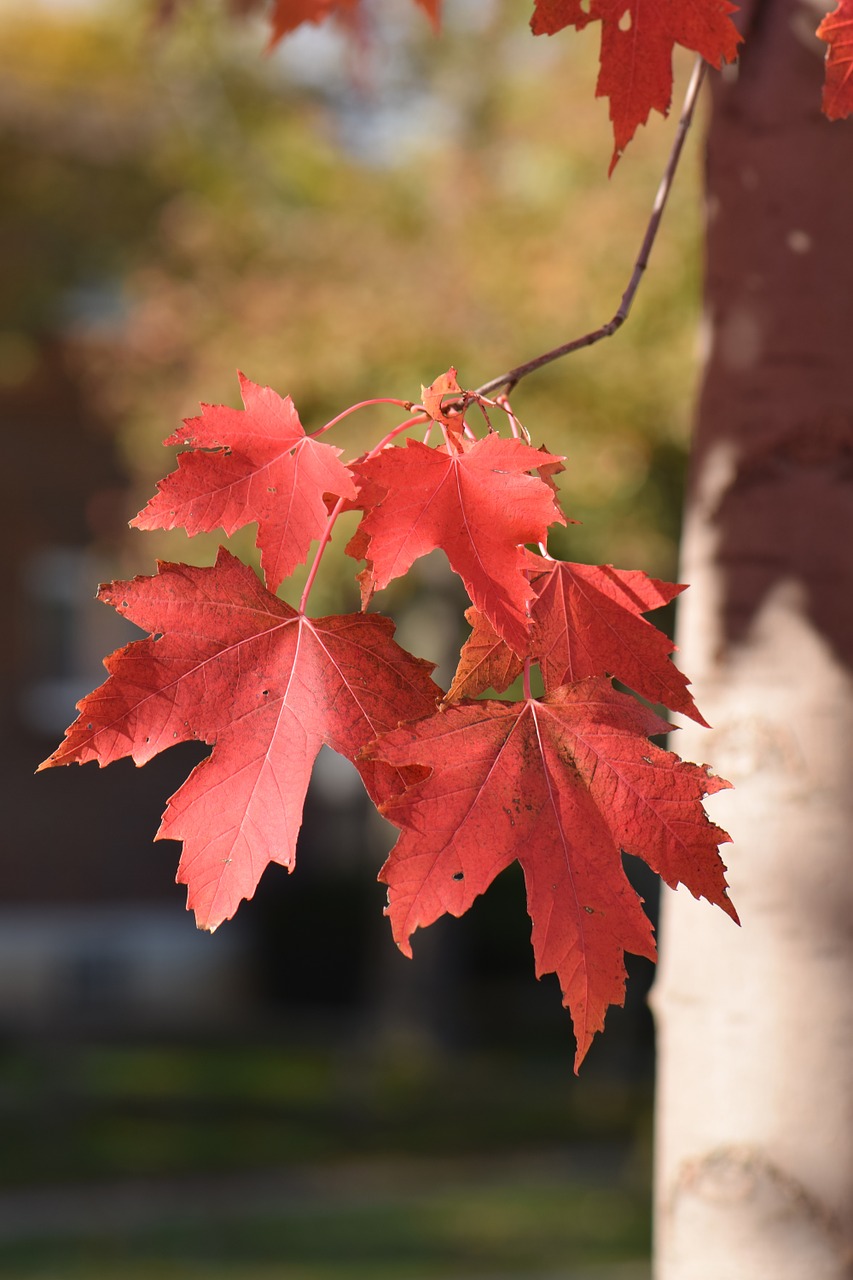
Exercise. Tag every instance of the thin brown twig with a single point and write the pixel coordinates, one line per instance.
(513, 376)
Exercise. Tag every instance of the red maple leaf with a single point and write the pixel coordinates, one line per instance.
(484, 663)
(232, 665)
(477, 502)
(287, 15)
(549, 470)
(637, 40)
(433, 395)
(837, 30)
(247, 465)
(586, 622)
(564, 785)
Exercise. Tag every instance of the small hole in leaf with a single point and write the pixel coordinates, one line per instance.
(589, 911)
(459, 875)
(124, 604)
(90, 726)
(271, 488)
(625, 21)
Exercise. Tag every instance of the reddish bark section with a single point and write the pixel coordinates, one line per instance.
(778, 384)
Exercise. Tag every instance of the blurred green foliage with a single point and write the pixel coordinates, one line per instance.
(179, 206)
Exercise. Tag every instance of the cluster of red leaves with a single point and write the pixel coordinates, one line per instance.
(637, 43)
(564, 783)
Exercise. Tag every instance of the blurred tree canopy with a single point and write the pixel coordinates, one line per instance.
(178, 206)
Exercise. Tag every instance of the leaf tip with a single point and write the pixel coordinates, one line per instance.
(730, 909)
(715, 784)
(583, 1043)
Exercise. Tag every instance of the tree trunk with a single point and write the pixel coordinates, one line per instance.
(754, 1177)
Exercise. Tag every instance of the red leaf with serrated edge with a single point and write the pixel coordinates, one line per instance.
(477, 503)
(484, 663)
(247, 465)
(287, 15)
(586, 622)
(637, 40)
(433, 395)
(837, 30)
(563, 785)
(548, 471)
(234, 666)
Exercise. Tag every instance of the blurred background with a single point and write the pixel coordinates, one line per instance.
(290, 1097)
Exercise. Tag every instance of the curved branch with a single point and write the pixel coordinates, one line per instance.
(512, 377)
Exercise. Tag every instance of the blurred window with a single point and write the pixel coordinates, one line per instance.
(67, 633)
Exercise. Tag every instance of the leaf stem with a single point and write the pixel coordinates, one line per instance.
(416, 421)
(512, 377)
(339, 505)
(318, 556)
(408, 405)
(514, 425)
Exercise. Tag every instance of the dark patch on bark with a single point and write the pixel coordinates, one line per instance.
(778, 384)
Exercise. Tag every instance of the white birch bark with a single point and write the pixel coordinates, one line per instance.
(754, 1159)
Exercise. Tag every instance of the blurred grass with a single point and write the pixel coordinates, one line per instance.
(531, 1228)
(94, 1112)
(313, 1162)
